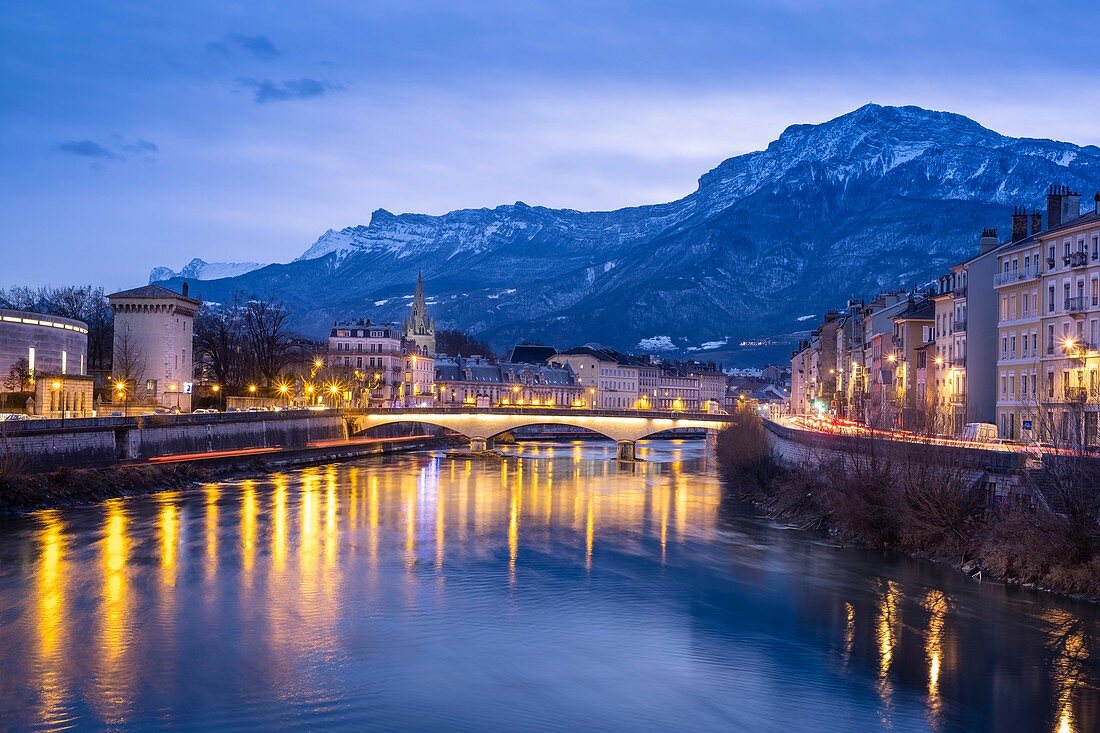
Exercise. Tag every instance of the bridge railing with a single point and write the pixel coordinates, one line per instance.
(534, 410)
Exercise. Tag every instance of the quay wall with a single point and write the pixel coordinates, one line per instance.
(806, 447)
(43, 445)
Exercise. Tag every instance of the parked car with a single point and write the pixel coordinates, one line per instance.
(6, 416)
(204, 411)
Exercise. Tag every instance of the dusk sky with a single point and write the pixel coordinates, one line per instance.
(136, 134)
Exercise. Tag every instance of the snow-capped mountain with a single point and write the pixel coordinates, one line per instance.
(875, 198)
(198, 269)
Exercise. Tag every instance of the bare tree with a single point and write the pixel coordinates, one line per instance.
(129, 361)
(220, 341)
(85, 303)
(269, 342)
(19, 377)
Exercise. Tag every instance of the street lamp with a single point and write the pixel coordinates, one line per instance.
(57, 396)
(284, 389)
(120, 388)
(334, 389)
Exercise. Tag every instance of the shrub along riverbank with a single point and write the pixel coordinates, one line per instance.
(885, 498)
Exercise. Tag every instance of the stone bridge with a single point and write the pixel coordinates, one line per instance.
(481, 424)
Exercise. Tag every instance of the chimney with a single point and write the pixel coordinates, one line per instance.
(185, 288)
(1036, 222)
(1019, 223)
(1063, 206)
(989, 238)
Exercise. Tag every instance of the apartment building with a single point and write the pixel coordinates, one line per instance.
(946, 381)
(610, 379)
(913, 334)
(378, 362)
(1048, 329)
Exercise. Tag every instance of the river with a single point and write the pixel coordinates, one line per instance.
(557, 590)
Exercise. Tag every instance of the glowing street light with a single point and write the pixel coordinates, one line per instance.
(57, 396)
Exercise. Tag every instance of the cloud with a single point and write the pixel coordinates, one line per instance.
(259, 46)
(120, 149)
(86, 149)
(267, 90)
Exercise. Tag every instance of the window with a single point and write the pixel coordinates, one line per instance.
(1050, 299)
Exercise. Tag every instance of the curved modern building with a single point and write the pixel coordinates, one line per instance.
(49, 345)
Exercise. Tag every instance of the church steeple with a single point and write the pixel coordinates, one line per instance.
(419, 327)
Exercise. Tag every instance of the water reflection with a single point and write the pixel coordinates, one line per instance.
(383, 594)
(936, 604)
(50, 588)
(113, 678)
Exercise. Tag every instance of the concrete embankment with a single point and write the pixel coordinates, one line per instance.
(45, 445)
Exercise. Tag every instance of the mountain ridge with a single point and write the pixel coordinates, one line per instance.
(881, 196)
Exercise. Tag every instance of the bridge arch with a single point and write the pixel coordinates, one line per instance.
(481, 426)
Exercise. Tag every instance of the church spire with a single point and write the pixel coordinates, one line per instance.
(419, 327)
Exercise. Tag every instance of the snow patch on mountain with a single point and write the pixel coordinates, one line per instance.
(656, 343)
(198, 269)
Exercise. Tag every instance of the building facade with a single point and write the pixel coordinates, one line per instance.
(32, 345)
(611, 380)
(476, 381)
(153, 345)
(1048, 289)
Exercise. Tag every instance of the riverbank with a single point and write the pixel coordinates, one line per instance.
(885, 499)
(22, 492)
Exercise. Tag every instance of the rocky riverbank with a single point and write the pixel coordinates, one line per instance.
(886, 500)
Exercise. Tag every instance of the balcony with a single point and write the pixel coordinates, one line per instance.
(1076, 394)
(1076, 259)
(1075, 304)
(959, 398)
(1015, 276)
(958, 325)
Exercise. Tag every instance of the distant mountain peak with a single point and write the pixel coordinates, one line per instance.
(199, 269)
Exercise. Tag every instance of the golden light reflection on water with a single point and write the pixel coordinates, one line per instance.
(113, 678)
(51, 626)
(849, 631)
(935, 602)
(886, 628)
(213, 493)
(169, 525)
(278, 523)
(1070, 670)
(248, 529)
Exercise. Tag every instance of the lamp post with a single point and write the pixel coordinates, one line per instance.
(334, 389)
(57, 396)
(284, 390)
(120, 388)
(216, 389)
